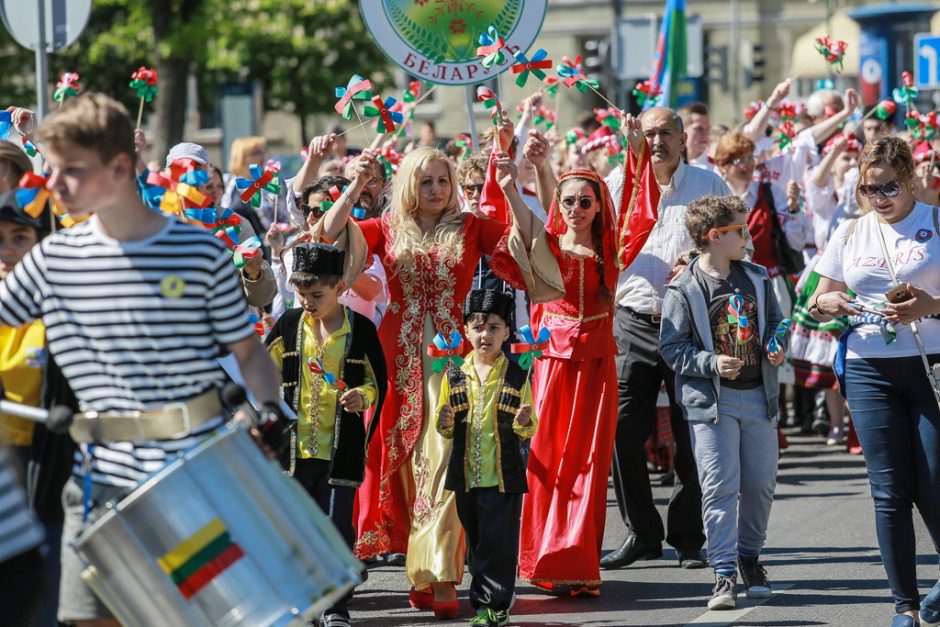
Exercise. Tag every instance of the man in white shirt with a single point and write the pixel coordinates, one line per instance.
(641, 369)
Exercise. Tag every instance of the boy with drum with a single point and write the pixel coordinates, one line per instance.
(333, 369)
(137, 307)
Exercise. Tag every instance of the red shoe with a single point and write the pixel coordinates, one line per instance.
(782, 441)
(421, 599)
(851, 441)
(585, 592)
(445, 609)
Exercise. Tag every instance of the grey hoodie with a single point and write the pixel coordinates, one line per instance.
(687, 346)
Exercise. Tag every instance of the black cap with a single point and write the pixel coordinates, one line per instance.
(10, 211)
(319, 259)
(489, 302)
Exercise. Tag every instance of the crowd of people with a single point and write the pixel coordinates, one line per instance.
(473, 339)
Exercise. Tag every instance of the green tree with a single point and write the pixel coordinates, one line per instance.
(298, 49)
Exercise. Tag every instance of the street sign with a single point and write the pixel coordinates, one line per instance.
(65, 20)
(926, 57)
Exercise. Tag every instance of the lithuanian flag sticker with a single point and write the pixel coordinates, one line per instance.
(202, 557)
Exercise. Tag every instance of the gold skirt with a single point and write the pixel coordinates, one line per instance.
(436, 546)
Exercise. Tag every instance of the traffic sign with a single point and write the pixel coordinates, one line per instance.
(64, 22)
(927, 61)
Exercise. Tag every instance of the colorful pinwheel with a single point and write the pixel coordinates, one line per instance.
(573, 77)
(446, 350)
(532, 345)
(261, 180)
(546, 116)
(524, 66)
(29, 146)
(357, 88)
(33, 193)
(832, 51)
(256, 323)
(615, 155)
(387, 117)
(885, 110)
(248, 249)
(551, 86)
(647, 93)
(736, 316)
(491, 46)
(67, 87)
(180, 191)
(789, 111)
(787, 134)
(906, 94)
(774, 345)
(490, 101)
(144, 80)
(316, 367)
(609, 117)
(334, 193)
(574, 135)
(228, 236)
(752, 110)
(414, 90)
(212, 218)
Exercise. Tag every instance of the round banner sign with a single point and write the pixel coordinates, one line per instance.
(437, 40)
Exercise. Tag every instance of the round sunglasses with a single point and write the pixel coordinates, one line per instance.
(583, 202)
(888, 190)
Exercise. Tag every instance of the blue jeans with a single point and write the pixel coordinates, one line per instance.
(898, 424)
(737, 469)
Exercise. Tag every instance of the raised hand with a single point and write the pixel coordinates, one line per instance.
(536, 149)
(633, 131)
(507, 171)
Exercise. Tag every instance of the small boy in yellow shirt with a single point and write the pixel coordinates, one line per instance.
(486, 407)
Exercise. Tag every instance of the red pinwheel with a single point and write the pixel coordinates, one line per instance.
(572, 77)
(334, 193)
(261, 180)
(551, 86)
(545, 116)
(387, 117)
(752, 110)
(885, 110)
(256, 323)
(574, 135)
(832, 51)
(180, 190)
(491, 46)
(490, 101)
(357, 88)
(33, 193)
(229, 236)
(532, 346)
(524, 66)
(248, 249)
(647, 92)
(316, 367)
(144, 80)
(67, 87)
(576, 63)
(213, 219)
(446, 350)
(789, 111)
(906, 94)
(608, 117)
(787, 133)
(414, 90)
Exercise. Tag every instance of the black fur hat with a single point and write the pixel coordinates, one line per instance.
(318, 259)
(489, 302)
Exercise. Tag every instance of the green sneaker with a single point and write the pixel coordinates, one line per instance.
(490, 618)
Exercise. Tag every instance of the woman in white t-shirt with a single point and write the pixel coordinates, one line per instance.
(881, 372)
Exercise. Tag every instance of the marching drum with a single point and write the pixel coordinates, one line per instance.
(219, 537)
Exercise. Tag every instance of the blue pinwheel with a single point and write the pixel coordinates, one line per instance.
(316, 367)
(783, 328)
(491, 45)
(445, 350)
(387, 118)
(524, 66)
(531, 348)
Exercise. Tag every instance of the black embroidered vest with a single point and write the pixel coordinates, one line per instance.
(510, 466)
(350, 436)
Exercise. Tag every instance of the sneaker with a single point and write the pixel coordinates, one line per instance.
(490, 618)
(904, 620)
(930, 608)
(334, 620)
(836, 438)
(754, 578)
(724, 594)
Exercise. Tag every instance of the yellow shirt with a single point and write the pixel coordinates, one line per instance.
(482, 460)
(316, 415)
(22, 360)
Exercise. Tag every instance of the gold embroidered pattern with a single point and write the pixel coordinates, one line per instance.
(475, 462)
(549, 314)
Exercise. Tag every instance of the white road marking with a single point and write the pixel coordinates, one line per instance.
(745, 606)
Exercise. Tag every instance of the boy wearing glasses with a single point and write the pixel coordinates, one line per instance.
(719, 317)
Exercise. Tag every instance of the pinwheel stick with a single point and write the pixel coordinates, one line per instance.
(604, 98)
(423, 96)
(361, 123)
(349, 130)
(140, 112)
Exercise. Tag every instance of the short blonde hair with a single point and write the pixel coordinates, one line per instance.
(408, 239)
(92, 121)
(242, 147)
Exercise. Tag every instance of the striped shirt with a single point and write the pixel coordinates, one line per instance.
(133, 325)
(19, 529)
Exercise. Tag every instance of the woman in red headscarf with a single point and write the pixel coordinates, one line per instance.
(575, 382)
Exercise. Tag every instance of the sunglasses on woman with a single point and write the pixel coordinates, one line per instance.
(583, 202)
(888, 190)
(471, 190)
(734, 227)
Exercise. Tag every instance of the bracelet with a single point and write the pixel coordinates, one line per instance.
(817, 307)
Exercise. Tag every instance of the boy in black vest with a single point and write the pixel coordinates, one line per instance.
(333, 368)
(486, 407)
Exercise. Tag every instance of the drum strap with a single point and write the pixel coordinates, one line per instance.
(86, 483)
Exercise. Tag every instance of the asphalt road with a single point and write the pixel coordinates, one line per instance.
(821, 557)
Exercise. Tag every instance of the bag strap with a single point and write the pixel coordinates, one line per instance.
(849, 231)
